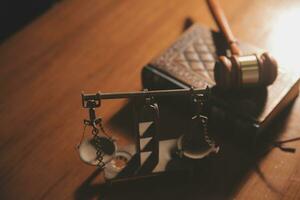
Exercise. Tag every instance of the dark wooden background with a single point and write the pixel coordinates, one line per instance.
(102, 45)
(15, 14)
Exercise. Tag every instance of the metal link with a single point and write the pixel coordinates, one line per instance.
(202, 101)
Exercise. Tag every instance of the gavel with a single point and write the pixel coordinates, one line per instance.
(240, 71)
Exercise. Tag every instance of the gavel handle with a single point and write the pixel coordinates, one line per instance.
(223, 25)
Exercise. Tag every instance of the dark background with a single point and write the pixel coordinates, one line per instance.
(14, 14)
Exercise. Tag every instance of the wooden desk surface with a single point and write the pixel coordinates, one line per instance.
(102, 45)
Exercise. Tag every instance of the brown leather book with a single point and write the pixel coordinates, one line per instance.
(189, 62)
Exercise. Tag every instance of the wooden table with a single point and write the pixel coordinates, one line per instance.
(102, 45)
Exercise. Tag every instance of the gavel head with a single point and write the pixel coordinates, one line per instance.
(245, 71)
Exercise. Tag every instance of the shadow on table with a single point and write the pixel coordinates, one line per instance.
(218, 177)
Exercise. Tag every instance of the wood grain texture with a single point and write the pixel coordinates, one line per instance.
(102, 45)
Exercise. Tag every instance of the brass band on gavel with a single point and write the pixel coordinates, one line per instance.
(249, 69)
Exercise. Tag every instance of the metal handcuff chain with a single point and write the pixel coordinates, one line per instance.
(204, 121)
(99, 149)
